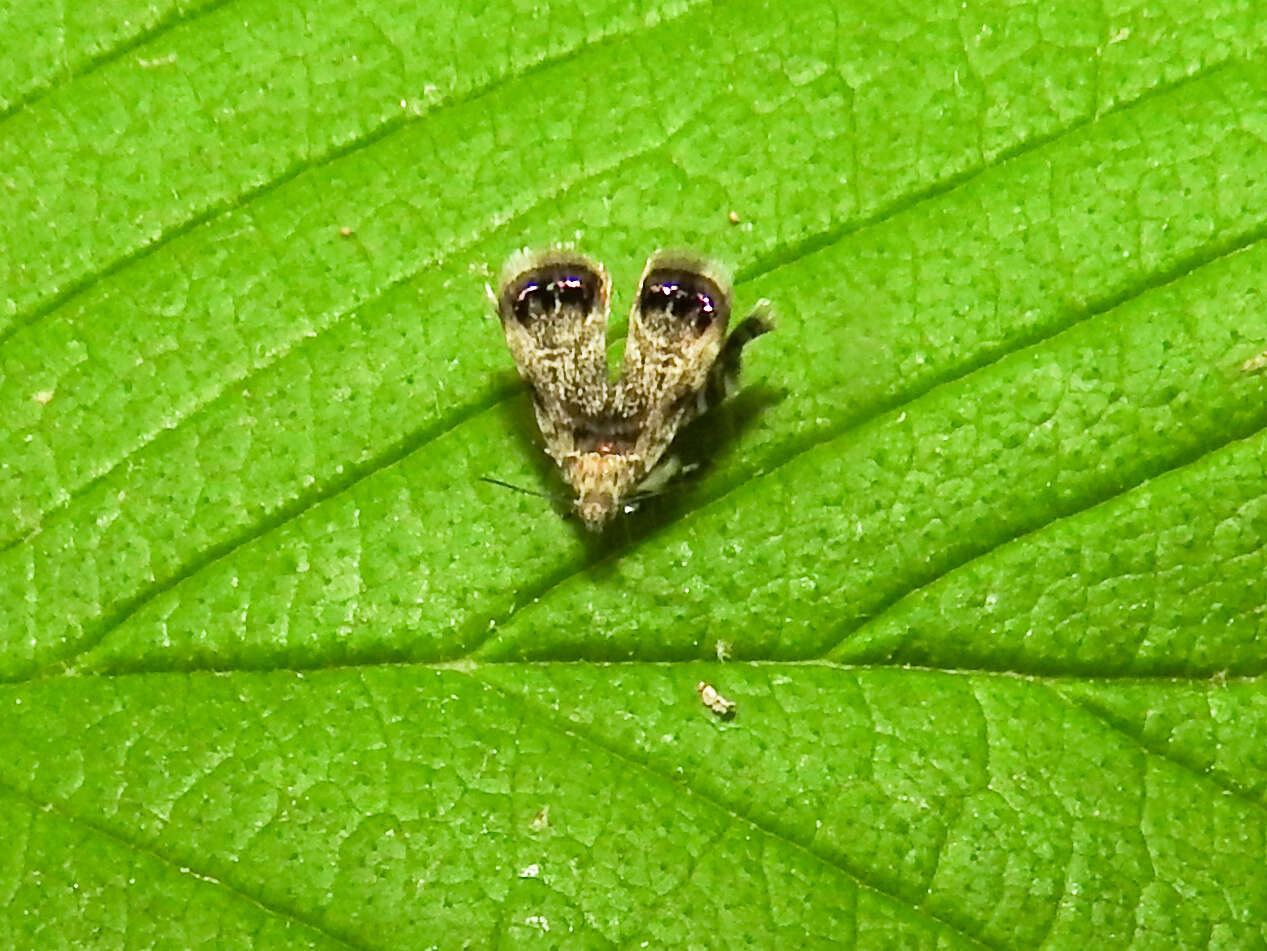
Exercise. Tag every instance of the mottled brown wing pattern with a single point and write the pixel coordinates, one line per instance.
(676, 331)
(553, 308)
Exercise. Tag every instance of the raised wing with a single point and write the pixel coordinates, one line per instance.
(676, 331)
(553, 308)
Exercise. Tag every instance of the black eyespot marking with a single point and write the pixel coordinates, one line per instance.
(546, 291)
(688, 298)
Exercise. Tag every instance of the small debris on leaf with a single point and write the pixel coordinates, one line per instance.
(721, 706)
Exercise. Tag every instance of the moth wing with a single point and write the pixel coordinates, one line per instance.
(676, 331)
(553, 308)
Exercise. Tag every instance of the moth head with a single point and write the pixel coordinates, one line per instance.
(600, 474)
(545, 294)
(683, 298)
(595, 509)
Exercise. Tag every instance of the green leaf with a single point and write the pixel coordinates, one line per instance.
(978, 550)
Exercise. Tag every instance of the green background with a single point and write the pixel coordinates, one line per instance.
(978, 550)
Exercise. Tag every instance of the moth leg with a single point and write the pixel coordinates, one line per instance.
(723, 377)
(661, 475)
(653, 483)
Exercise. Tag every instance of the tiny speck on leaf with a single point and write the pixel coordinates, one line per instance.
(723, 707)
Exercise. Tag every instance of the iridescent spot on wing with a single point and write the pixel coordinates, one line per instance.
(547, 291)
(683, 298)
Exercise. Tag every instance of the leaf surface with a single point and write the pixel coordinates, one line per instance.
(978, 550)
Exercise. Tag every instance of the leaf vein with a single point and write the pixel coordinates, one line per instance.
(181, 867)
(358, 143)
(573, 732)
(818, 241)
(90, 65)
(1194, 457)
(1256, 806)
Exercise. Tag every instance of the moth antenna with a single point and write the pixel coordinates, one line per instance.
(519, 488)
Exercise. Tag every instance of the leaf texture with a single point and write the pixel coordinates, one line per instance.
(978, 550)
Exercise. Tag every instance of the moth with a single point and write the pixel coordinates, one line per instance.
(609, 437)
